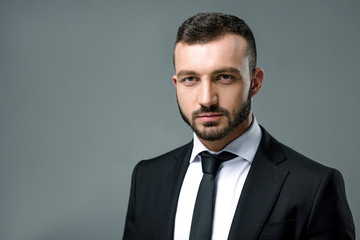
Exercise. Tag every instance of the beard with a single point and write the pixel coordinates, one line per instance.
(216, 134)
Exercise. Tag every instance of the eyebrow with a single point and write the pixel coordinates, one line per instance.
(222, 70)
(186, 72)
(229, 70)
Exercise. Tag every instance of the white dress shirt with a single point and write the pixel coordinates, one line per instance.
(229, 184)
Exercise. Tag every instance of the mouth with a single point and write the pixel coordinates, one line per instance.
(209, 117)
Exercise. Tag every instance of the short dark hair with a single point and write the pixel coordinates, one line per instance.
(209, 26)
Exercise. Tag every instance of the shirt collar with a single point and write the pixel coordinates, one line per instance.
(245, 146)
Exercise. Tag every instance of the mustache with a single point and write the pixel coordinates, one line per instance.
(210, 109)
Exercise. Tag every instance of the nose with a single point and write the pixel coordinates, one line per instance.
(207, 94)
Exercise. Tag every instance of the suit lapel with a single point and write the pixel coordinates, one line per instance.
(174, 174)
(260, 191)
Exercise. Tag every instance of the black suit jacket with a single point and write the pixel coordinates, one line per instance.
(285, 196)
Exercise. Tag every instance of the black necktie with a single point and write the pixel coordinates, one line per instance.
(201, 225)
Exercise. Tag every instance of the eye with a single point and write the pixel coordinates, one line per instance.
(189, 81)
(226, 78)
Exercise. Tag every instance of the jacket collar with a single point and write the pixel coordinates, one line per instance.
(260, 191)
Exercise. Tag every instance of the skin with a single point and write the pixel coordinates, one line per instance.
(215, 74)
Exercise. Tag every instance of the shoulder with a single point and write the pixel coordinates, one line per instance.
(291, 160)
(167, 158)
(304, 169)
(304, 175)
(151, 173)
(314, 192)
(301, 161)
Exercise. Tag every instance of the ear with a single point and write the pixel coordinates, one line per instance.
(174, 78)
(256, 81)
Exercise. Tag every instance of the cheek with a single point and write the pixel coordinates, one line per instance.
(186, 101)
(233, 99)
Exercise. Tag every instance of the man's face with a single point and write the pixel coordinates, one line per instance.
(213, 86)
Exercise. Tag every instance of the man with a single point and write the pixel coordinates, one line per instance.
(263, 189)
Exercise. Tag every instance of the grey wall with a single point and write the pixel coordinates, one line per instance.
(86, 92)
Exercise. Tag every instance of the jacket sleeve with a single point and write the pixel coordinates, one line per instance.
(330, 216)
(130, 221)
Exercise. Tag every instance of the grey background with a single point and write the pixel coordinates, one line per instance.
(86, 92)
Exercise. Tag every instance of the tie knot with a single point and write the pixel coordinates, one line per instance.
(210, 162)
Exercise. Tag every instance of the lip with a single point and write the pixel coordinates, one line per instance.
(210, 117)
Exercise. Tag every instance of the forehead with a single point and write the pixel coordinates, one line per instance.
(228, 51)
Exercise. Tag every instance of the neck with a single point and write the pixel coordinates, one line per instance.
(220, 144)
